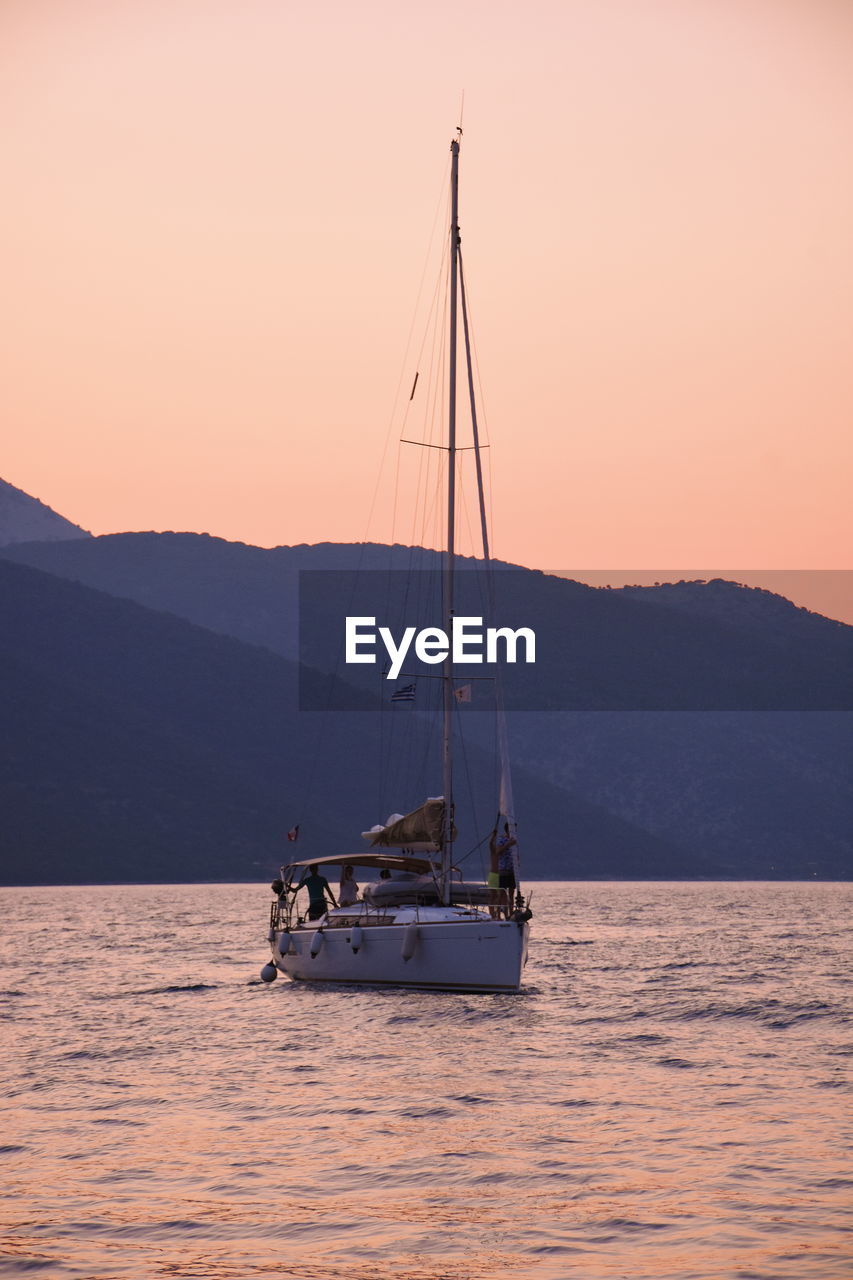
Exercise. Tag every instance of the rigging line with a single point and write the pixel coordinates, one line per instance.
(442, 190)
(401, 742)
(429, 726)
(460, 448)
(320, 736)
(407, 768)
(496, 758)
(425, 580)
(474, 431)
(465, 522)
(437, 363)
(429, 404)
(474, 551)
(332, 679)
(432, 506)
(429, 320)
(484, 579)
(481, 397)
(403, 727)
(431, 503)
(419, 761)
(491, 507)
(380, 773)
(460, 738)
(505, 784)
(434, 326)
(484, 416)
(402, 720)
(424, 502)
(472, 850)
(394, 504)
(411, 727)
(406, 760)
(424, 507)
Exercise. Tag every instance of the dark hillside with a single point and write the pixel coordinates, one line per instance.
(755, 785)
(137, 746)
(688, 646)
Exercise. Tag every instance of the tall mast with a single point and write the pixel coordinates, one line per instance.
(447, 683)
(481, 496)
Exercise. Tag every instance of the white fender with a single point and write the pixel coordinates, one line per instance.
(410, 941)
(271, 935)
(283, 943)
(355, 937)
(269, 973)
(317, 942)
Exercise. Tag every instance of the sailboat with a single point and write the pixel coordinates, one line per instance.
(419, 925)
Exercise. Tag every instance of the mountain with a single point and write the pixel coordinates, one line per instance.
(26, 519)
(757, 794)
(139, 747)
(711, 719)
(689, 646)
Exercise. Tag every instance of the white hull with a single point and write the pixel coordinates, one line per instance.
(446, 955)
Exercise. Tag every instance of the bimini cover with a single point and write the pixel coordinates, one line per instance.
(423, 828)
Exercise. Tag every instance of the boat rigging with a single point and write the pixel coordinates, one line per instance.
(420, 924)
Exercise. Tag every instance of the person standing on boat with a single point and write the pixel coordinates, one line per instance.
(318, 891)
(501, 847)
(348, 891)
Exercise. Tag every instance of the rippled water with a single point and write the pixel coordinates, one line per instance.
(665, 1097)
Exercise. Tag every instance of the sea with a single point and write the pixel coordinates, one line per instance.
(666, 1097)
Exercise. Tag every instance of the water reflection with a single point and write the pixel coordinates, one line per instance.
(660, 1101)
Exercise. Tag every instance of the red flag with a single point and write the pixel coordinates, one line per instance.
(293, 833)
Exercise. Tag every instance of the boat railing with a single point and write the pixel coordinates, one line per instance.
(366, 918)
(283, 915)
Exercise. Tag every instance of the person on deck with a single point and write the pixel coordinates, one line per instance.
(318, 891)
(348, 891)
(502, 847)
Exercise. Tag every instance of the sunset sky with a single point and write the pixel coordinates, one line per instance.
(216, 217)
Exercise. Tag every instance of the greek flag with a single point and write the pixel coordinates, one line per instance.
(406, 694)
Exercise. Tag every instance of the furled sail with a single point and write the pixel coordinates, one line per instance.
(422, 828)
(505, 799)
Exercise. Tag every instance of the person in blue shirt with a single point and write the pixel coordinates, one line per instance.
(318, 891)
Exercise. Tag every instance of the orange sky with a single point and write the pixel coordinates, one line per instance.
(215, 222)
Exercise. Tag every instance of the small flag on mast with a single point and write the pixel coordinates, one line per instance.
(293, 833)
(406, 694)
(463, 693)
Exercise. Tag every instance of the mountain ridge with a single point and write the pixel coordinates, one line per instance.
(712, 646)
(750, 794)
(24, 518)
(141, 747)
